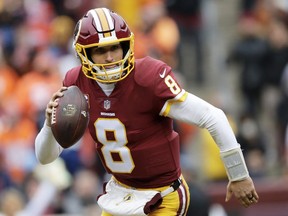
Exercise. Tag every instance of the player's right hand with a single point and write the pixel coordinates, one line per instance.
(53, 103)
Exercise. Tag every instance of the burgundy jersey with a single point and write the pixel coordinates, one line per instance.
(134, 141)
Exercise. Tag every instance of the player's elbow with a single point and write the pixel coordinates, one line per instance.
(46, 149)
(44, 155)
(214, 116)
(219, 113)
(44, 159)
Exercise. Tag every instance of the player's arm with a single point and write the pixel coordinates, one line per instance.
(194, 110)
(46, 147)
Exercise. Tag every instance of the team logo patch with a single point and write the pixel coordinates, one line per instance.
(107, 104)
(69, 110)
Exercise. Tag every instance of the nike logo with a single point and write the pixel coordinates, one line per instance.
(162, 75)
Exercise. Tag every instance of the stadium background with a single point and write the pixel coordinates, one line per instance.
(231, 53)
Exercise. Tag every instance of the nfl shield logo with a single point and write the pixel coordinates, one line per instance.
(107, 104)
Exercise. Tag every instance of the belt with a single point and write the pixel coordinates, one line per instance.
(173, 187)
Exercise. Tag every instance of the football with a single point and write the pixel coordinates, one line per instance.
(70, 118)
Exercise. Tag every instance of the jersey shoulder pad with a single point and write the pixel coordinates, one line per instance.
(71, 76)
(147, 70)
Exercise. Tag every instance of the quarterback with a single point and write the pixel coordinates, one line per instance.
(132, 105)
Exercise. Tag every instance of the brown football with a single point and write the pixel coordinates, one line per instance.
(70, 118)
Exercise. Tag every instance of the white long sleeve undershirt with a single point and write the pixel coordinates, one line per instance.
(46, 147)
(195, 110)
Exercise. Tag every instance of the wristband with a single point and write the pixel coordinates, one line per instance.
(234, 164)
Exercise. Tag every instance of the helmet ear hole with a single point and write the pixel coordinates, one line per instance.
(125, 46)
(89, 54)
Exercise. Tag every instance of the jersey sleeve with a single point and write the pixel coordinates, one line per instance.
(167, 89)
(159, 78)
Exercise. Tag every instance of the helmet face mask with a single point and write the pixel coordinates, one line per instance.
(102, 27)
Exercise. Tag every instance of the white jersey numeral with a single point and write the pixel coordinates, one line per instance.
(116, 146)
(171, 83)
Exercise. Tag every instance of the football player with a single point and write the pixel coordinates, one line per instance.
(132, 105)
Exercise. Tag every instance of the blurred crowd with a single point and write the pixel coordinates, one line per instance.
(260, 52)
(36, 51)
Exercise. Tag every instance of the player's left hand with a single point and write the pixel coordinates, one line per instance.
(244, 191)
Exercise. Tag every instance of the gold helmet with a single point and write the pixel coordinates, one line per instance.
(103, 27)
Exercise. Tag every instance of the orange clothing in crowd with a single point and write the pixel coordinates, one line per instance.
(34, 90)
(8, 80)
